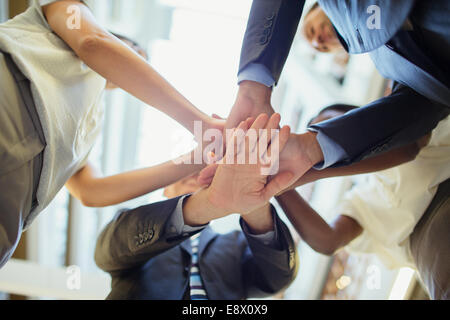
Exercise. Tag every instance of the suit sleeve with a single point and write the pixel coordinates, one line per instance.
(268, 270)
(135, 236)
(271, 29)
(388, 123)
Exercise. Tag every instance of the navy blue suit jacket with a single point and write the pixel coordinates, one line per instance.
(148, 263)
(422, 95)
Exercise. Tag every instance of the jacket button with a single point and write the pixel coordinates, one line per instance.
(268, 24)
(266, 31)
(263, 40)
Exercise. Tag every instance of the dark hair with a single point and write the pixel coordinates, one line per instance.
(344, 108)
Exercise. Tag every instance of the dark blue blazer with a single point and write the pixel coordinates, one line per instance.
(148, 263)
(422, 95)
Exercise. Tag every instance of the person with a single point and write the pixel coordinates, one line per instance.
(400, 214)
(53, 77)
(167, 250)
(409, 42)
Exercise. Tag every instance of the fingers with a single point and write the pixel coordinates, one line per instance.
(259, 130)
(283, 137)
(260, 122)
(215, 116)
(273, 124)
(236, 145)
(270, 160)
(279, 183)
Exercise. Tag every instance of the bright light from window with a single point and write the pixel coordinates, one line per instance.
(343, 282)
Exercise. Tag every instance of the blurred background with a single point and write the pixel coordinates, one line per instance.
(195, 44)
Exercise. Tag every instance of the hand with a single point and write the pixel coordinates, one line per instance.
(252, 100)
(242, 188)
(215, 122)
(208, 133)
(299, 155)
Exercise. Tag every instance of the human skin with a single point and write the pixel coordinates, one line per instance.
(241, 188)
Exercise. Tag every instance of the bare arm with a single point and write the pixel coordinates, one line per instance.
(319, 235)
(93, 190)
(119, 64)
(260, 221)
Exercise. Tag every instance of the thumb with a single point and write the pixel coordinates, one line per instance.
(206, 176)
(279, 183)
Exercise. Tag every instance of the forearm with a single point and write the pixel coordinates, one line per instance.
(119, 64)
(309, 224)
(386, 124)
(95, 191)
(384, 161)
(137, 77)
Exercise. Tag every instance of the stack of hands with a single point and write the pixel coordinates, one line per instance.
(235, 184)
(260, 161)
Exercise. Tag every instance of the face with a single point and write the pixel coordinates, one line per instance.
(319, 32)
(184, 186)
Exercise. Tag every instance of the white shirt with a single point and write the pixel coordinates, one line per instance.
(67, 94)
(389, 205)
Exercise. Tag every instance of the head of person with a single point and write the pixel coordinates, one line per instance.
(184, 186)
(319, 31)
(330, 112)
(133, 45)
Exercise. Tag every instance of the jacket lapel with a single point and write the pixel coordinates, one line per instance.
(206, 237)
(186, 246)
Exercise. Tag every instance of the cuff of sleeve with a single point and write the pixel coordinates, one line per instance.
(176, 226)
(258, 73)
(269, 239)
(332, 152)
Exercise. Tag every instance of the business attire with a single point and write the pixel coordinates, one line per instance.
(400, 223)
(411, 47)
(150, 255)
(51, 114)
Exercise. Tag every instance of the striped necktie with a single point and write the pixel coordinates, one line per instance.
(196, 285)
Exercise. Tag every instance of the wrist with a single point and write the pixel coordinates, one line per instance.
(255, 91)
(309, 144)
(198, 209)
(260, 221)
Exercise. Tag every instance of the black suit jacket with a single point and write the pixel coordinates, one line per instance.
(420, 100)
(146, 262)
